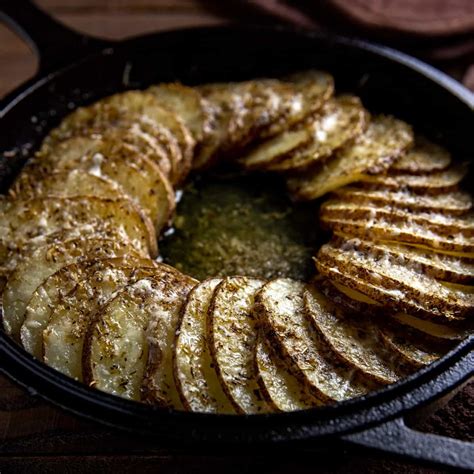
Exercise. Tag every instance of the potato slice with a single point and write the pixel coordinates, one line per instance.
(415, 350)
(340, 120)
(48, 294)
(454, 203)
(280, 303)
(384, 141)
(433, 183)
(187, 103)
(43, 262)
(116, 345)
(440, 224)
(66, 184)
(356, 340)
(392, 283)
(137, 176)
(275, 149)
(196, 378)
(310, 91)
(122, 108)
(432, 329)
(348, 298)
(64, 336)
(26, 220)
(442, 267)
(241, 111)
(425, 157)
(164, 304)
(282, 390)
(232, 332)
(409, 233)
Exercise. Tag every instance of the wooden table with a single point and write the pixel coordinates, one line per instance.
(37, 437)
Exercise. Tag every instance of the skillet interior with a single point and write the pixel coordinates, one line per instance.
(204, 55)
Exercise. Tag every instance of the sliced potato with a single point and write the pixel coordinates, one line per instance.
(125, 107)
(65, 184)
(195, 375)
(440, 224)
(280, 303)
(187, 103)
(408, 233)
(26, 220)
(241, 111)
(164, 304)
(415, 350)
(32, 270)
(232, 332)
(65, 334)
(340, 120)
(311, 90)
(425, 157)
(436, 330)
(443, 267)
(356, 340)
(49, 293)
(433, 183)
(384, 141)
(454, 203)
(282, 390)
(348, 298)
(136, 175)
(275, 149)
(392, 283)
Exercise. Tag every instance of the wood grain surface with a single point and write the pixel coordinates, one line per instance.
(37, 437)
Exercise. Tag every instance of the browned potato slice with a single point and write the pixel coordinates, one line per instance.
(275, 149)
(65, 184)
(66, 280)
(340, 120)
(384, 140)
(425, 157)
(195, 375)
(356, 340)
(116, 349)
(280, 303)
(232, 332)
(187, 103)
(415, 350)
(394, 284)
(448, 268)
(46, 260)
(434, 183)
(282, 390)
(310, 90)
(440, 224)
(118, 109)
(169, 290)
(137, 176)
(409, 233)
(432, 329)
(241, 111)
(64, 336)
(26, 220)
(454, 203)
(348, 298)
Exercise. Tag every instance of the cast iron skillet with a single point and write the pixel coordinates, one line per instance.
(75, 70)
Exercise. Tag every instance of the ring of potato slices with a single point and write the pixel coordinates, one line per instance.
(83, 290)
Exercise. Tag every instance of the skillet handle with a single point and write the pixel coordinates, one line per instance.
(395, 437)
(55, 44)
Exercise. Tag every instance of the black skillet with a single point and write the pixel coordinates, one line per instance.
(76, 70)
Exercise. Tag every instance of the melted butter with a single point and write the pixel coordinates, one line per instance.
(233, 225)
